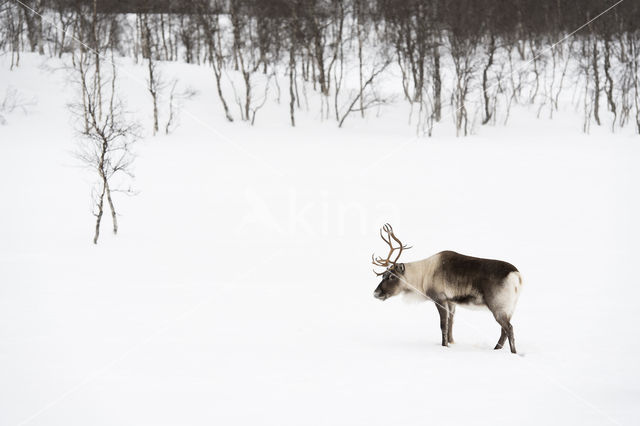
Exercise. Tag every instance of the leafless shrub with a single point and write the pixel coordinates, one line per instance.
(427, 115)
(13, 101)
(371, 97)
(176, 100)
(256, 105)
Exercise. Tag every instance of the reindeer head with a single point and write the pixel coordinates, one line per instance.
(391, 283)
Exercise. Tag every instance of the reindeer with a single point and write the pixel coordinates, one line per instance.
(449, 279)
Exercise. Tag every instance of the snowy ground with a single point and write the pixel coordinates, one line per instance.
(239, 290)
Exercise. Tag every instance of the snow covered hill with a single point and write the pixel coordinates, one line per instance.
(239, 288)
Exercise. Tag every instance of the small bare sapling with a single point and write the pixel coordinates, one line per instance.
(106, 136)
(176, 100)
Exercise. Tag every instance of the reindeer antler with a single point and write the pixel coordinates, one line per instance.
(386, 263)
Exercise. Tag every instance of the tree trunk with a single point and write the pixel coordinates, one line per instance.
(596, 81)
(485, 81)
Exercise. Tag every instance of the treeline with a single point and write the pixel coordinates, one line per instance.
(467, 60)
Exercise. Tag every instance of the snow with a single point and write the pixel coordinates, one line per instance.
(239, 289)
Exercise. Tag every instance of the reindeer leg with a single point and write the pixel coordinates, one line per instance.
(444, 321)
(507, 329)
(452, 311)
(503, 337)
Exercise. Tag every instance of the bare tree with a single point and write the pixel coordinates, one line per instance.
(609, 81)
(210, 28)
(176, 99)
(154, 80)
(13, 27)
(294, 36)
(106, 137)
(634, 65)
(33, 11)
(462, 52)
(372, 98)
(486, 95)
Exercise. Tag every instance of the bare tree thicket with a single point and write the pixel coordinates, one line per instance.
(469, 61)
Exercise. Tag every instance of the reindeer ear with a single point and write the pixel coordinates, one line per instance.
(400, 268)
